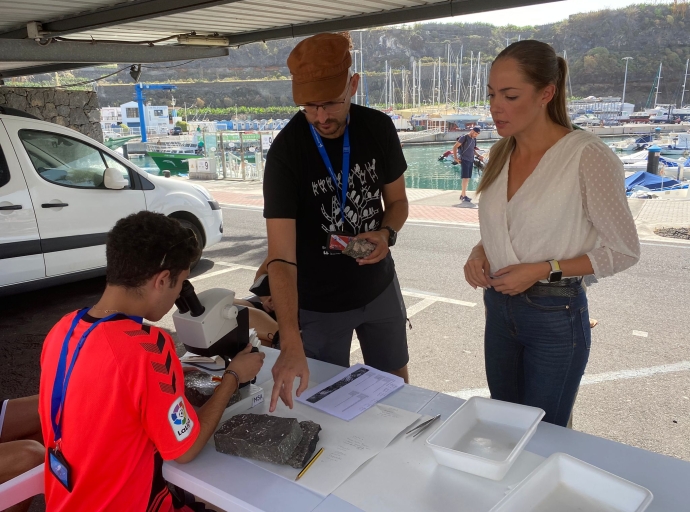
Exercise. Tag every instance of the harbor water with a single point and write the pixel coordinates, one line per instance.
(423, 168)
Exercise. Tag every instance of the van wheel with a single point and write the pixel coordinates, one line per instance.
(197, 234)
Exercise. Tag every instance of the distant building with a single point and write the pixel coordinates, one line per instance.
(157, 117)
(608, 107)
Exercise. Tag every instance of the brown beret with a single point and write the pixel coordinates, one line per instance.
(319, 66)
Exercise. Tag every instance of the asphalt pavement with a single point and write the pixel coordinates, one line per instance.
(637, 386)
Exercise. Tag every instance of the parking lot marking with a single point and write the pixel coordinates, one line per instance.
(598, 378)
(411, 311)
(245, 267)
(212, 274)
(437, 298)
(641, 334)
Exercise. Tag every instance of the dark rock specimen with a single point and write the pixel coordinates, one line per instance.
(199, 386)
(259, 436)
(305, 448)
(359, 248)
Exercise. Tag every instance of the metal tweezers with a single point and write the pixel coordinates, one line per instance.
(423, 426)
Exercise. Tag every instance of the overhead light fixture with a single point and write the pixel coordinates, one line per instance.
(204, 40)
(135, 72)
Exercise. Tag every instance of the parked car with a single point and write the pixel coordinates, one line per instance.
(177, 130)
(60, 194)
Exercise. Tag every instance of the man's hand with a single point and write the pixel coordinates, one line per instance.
(515, 279)
(291, 363)
(380, 240)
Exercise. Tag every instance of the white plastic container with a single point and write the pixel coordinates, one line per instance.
(484, 437)
(565, 484)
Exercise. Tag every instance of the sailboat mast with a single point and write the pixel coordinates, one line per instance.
(470, 83)
(658, 82)
(685, 81)
(386, 86)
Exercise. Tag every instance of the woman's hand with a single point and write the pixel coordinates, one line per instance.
(247, 364)
(477, 268)
(515, 279)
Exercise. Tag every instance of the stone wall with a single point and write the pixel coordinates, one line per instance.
(78, 110)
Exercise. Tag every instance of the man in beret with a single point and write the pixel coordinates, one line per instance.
(334, 173)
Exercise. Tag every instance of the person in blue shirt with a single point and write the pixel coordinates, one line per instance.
(466, 146)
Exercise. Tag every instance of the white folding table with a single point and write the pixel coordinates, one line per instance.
(236, 485)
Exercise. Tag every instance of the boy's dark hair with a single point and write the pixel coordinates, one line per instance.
(145, 243)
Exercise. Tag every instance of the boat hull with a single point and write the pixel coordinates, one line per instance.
(176, 163)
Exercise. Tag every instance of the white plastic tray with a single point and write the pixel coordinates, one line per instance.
(565, 484)
(484, 436)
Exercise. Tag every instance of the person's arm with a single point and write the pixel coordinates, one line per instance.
(246, 364)
(292, 362)
(21, 420)
(396, 211)
(455, 151)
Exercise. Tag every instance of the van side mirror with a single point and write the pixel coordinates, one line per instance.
(113, 179)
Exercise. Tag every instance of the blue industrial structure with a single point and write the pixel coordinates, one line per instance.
(139, 97)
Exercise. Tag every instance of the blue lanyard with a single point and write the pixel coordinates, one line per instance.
(57, 402)
(346, 165)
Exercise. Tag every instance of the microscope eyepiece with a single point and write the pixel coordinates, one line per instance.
(188, 300)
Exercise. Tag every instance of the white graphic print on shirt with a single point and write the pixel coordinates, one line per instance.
(359, 215)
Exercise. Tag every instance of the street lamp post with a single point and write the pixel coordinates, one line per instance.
(625, 81)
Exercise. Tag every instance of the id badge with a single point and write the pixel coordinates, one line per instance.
(337, 242)
(60, 468)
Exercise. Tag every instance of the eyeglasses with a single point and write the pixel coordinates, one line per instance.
(192, 235)
(332, 107)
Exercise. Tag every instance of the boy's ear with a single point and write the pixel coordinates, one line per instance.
(161, 280)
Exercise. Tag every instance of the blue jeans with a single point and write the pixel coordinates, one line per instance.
(536, 349)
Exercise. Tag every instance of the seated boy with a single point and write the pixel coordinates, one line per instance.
(112, 400)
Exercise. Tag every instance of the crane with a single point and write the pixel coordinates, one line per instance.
(139, 97)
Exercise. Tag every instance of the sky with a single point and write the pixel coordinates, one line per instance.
(542, 14)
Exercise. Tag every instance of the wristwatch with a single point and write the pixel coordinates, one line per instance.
(556, 273)
(392, 237)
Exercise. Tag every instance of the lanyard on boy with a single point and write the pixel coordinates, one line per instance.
(57, 402)
(346, 165)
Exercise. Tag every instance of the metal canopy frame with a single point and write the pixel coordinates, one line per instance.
(32, 58)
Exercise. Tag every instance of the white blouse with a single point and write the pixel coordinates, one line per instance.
(572, 204)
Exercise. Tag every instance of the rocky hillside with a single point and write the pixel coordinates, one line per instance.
(595, 44)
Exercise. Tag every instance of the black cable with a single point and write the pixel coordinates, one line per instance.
(95, 79)
(168, 67)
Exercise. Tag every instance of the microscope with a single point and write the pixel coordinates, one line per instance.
(209, 324)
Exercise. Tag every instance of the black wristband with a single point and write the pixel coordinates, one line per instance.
(282, 261)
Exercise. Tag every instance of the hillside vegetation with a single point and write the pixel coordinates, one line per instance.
(595, 44)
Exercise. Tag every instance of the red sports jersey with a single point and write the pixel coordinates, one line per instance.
(124, 412)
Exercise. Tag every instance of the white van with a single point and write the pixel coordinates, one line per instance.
(60, 194)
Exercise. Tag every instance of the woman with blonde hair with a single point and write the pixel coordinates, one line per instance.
(552, 210)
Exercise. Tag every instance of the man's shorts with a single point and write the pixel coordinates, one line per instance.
(380, 327)
(467, 167)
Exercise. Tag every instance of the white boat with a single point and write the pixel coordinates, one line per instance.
(675, 144)
(587, 120)
(632, 144)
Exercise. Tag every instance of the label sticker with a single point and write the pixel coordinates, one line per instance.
(258, 399)
(180, 422)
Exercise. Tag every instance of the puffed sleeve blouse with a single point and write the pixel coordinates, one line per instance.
(572, 204)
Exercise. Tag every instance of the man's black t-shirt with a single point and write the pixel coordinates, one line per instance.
(297, 185)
